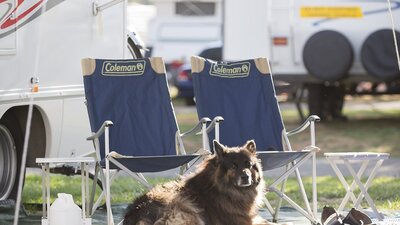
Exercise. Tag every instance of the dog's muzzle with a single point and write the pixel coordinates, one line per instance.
(245, 179)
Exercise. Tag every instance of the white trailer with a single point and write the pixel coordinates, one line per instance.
(327, 46)
(41, 45)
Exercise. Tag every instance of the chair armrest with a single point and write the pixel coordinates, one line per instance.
(96, 135)
(197, 128)
(214, 122)
(311, 148)
(302, 127)
(202, 129)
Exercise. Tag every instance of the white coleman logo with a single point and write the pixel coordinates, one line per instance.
(230, 70)
(123, 68)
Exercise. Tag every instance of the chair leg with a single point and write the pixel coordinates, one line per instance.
(92, 194)
(268, 206)
(314, 185)
(303, 191)
(138, 176)
(283, 196)
(279, 205)
(103, 193)
(108, 199)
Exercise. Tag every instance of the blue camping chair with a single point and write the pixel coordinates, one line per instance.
(132, 120)
(243, 94)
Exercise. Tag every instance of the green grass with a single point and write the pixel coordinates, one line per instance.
(384, 190)
(124, 189)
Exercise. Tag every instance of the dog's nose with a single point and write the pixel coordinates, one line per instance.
(245, 177)
(246, 172)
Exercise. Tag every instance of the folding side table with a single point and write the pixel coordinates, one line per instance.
(349, 159)
(83, 162)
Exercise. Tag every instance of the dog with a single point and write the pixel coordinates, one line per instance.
(226, 189)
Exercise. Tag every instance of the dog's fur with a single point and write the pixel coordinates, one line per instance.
(226, 190)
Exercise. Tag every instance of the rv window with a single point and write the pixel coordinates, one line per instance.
(195, 8)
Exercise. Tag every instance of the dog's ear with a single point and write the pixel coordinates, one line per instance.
(219, 149)
(251, 146)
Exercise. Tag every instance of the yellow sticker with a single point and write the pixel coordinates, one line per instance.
(331, 12)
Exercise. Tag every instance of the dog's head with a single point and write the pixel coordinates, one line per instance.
(238, 166)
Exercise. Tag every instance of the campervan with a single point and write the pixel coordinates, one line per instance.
(41, 45)
(328, 46)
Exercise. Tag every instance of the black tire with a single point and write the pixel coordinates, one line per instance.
(328, 55)
(378, 55)
(11, 165)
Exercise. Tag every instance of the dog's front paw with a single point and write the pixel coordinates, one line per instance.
(260, 221)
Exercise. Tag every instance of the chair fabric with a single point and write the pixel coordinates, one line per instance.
(135, 98)
(276, 159)
(245, 98)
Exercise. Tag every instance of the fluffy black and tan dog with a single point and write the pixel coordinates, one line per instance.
(226, 190)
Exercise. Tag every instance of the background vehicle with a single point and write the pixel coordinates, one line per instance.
(328, 47)
(182, 29)
(183, 80)
(41, 45)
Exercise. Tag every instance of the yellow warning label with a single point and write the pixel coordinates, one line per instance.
(331, 12)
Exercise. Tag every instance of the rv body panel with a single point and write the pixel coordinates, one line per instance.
(41, 47)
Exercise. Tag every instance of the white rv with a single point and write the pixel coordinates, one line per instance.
(328, 46)
(41, 45)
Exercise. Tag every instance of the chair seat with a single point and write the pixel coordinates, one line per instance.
(147, 164)
(276, 159)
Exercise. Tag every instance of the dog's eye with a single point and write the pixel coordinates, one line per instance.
(254, 167)
(249, 164)
(234, 166)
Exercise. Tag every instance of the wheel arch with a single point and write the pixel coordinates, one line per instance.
(38, 139)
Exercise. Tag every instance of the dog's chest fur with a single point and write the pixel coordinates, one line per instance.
(221, 205)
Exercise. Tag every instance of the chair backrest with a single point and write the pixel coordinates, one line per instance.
(134, 95)
(243, 94)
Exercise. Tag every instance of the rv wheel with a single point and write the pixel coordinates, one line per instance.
(10, 146)
(328, 55)
(378, 55)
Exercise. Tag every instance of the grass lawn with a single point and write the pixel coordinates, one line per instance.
(375, 130)
(384, 190)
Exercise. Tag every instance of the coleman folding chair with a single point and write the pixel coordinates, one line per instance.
(243, 94)
(133, 123)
